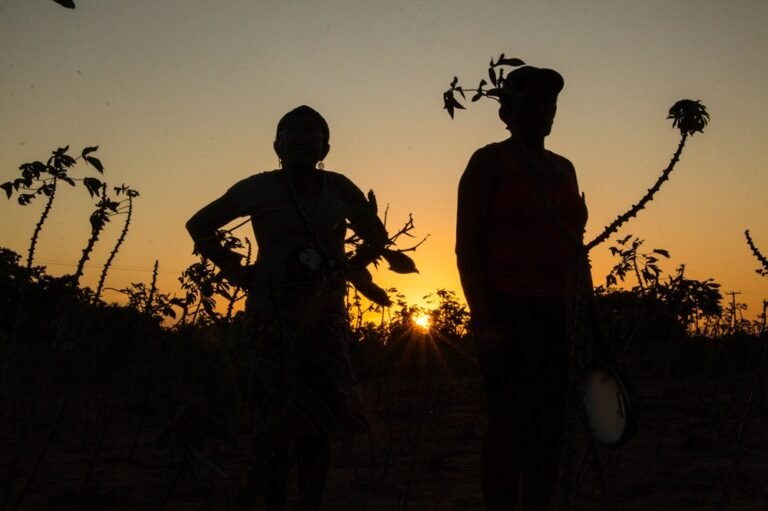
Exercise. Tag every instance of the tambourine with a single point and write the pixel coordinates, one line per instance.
(610, 405)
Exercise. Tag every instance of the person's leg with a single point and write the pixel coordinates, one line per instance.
(313, 456)
(545, 398)
(275, 479)
(501, 452)
(500, 465)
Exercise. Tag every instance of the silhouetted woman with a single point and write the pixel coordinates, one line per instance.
(300, 372)
(520, 223)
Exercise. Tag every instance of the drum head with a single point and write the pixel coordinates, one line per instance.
(609, 406)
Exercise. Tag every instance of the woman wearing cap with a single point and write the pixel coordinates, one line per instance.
(520, 223)
(297, 346)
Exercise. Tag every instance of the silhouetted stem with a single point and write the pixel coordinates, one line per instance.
(114, 250)
(760, 257)
(39, 226)
(152, 289)
(622, 219)
(95, 231)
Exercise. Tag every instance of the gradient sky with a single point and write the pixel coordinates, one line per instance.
(182, 96)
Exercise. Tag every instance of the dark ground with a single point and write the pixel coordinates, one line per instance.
(67, 446)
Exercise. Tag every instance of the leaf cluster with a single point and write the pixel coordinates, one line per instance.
(202, 283)
(370, 243)
(38, 178)
(689, 116)
(685, 299)
(107, 207)
(496, 77)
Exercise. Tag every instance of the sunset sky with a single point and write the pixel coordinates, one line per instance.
(182, 98)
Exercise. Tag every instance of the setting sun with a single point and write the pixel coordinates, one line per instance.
(422, 321)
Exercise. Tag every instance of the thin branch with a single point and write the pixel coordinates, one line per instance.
(760, 257)
(635, 209)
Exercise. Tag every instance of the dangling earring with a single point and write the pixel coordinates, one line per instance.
(280, 163)
(320, 165)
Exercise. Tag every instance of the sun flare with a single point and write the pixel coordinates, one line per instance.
(422, 321)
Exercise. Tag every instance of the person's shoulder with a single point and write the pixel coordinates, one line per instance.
(485, 161)
(339, 180)
(258, 179)
(343, 188)
(488, 151)
(559, 158)
(563, 162)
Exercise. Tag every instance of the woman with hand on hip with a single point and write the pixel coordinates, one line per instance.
(299, 372)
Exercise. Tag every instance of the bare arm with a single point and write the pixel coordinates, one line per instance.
(475, 190)
(202, 228)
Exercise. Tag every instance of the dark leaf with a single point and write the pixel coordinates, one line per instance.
(477, 96)
(88, 150)
(66, 160)
(69, 4)
(98, 219)
(510, 62)
(179, 302)
(361, 279)
(448, 102)
(454, 82)
(67, 180)
(8, 187)
(38, 168)
(492, 75)
(96, 163)
(461, 91)
(25, 198)
(399, 262)
(112, 205)
(482, 84)
(93, 186)
(661, 252)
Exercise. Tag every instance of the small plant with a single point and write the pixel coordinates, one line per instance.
(105, 208)
(124, 206)
(38, 178)
(643, 265)
(202, 282)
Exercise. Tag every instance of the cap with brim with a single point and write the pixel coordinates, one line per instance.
(529, 79)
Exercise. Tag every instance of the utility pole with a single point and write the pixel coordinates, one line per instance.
(733, 308)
